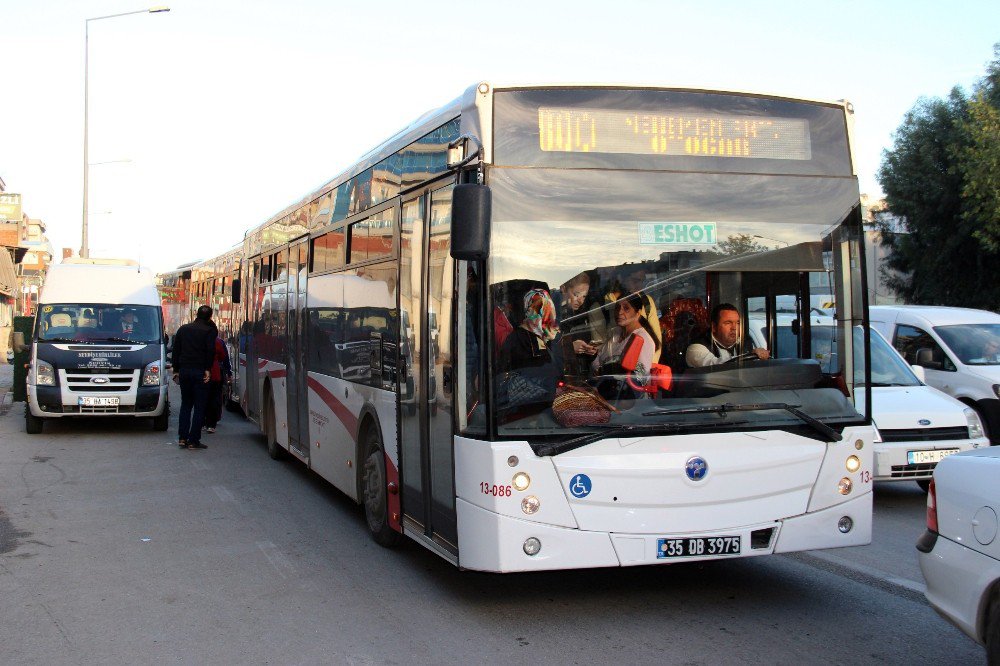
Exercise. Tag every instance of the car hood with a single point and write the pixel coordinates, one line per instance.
(903, 407)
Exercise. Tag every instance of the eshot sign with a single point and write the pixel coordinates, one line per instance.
(677, 233)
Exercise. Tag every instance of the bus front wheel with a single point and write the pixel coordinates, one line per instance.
(374, 492)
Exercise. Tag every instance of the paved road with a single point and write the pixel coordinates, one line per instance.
(116, 546)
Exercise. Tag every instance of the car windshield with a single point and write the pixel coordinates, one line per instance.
(973, 344)
(98, 322)
(888, 367)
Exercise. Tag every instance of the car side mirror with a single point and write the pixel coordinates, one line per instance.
(918, 370)
(471, 208)
(19, 345)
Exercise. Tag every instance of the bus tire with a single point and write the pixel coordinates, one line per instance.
(32, 423)
(270, 431)
(374, 492)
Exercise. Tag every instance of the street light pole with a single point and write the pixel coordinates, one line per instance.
(85, 245)
(772, 239)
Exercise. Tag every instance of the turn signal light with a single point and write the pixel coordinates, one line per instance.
(845, 486)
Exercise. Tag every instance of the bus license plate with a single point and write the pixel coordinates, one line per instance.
(94, 401)
(697, 547)
(924, 457)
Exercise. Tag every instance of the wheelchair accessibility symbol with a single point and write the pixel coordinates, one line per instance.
(579, 486)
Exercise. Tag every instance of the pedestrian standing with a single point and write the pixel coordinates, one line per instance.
(193, 355)
(221, 375)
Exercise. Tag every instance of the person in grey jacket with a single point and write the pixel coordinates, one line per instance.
(193, 355)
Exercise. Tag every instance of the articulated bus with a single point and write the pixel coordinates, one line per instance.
(410, 330)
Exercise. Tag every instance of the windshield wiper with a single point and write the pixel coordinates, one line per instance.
(56, 340)
(125, 340)
(556, 448)
(820, 427)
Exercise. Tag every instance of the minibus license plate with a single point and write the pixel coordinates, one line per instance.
(924, 457)
(94, 401)
(697, 547)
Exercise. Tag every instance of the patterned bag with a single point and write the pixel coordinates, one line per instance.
(517, 390)
(575, 406)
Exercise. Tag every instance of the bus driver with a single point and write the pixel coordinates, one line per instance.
(722, 343)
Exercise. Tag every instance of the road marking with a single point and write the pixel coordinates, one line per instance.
(276, 558)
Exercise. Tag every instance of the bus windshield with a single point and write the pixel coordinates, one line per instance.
(98, 322)
(580, 254)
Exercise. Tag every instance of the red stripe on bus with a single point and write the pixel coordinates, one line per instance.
(338, 408)
(277, 374)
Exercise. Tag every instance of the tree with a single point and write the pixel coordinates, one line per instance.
(926, 178)
(740, 244)
(980, 159)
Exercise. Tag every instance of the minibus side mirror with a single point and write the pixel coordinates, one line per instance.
(470, 222)
(236, 289)
(19, 345)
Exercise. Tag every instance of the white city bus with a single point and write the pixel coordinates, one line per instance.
(381, 317)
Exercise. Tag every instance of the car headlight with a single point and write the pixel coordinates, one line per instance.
(45, 374)
(975, 425)
(151, 375)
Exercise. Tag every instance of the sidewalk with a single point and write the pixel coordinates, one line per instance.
(6, 385)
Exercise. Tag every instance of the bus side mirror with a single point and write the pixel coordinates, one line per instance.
(236, 290)
(470, 221)
(18, 345)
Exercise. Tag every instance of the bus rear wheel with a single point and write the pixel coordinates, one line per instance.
(270, 431)
(374, 492)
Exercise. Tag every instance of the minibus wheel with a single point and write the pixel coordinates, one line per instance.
(32, 423)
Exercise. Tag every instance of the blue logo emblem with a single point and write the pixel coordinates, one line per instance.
(924, 422)
(696, 468)
(580, 486)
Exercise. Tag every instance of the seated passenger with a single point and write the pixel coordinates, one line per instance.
(634, 282)
(630, 324)
(528, 366)
(722, 344)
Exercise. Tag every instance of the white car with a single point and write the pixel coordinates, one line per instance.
(960, 552)
(958, 348)
(917, 425)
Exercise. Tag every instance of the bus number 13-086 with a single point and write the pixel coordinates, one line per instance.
(495, 490)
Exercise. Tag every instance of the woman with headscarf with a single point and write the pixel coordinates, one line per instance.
(529, 366)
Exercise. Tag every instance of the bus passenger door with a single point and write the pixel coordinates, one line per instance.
(298, 410)
(425, 369)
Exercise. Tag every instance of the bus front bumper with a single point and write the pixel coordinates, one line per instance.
(491, 542)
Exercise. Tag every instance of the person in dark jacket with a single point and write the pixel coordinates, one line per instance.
(193, 356)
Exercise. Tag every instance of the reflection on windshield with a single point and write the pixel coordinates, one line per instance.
(84, 323)
(973, 344)
(593, 321)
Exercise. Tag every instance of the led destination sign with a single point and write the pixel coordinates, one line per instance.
(576, 130)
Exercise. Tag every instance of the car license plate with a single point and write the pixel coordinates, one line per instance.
(94, 401)
(697, 547)
(924, 457)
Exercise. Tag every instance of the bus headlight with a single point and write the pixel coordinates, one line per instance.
(845, 524)
(853, 464)
(151, 375)
(532, 546)
(521, 481)
(530, 505)
(975, 425)
(45, 374)
(845, 486)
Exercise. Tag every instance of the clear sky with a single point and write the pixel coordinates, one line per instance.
(206, 120)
